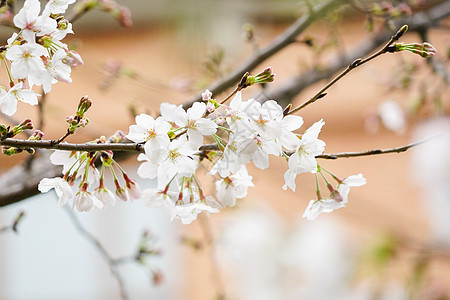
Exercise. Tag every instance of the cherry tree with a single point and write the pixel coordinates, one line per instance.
(218, 133)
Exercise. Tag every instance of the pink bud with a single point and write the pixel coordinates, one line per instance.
(206, 95)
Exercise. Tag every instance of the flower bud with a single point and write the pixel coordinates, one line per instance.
(401, 32)
(335, 195)
(83, 106)
(36, 136)
(121, 193)
(73, 59)
(133, 188)
(9, 151)
(3, 129)
(117, 137)
(206, 95)
(27, 124)
(63, 24)
(265, 76)
(210, 107)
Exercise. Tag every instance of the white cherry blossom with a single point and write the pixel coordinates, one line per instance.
(179, 159)
(229, 162)
(344, 187)
(188, 212)
(316, 207)
(233, 187)
(8, 100)
(57, 6)
(55, 70)
(258, 150)
(61, 186)
(105, 196)
(265, 119)
(84, 201)
(308, 147)
(26, 59)
(192, 120)
(153, 133)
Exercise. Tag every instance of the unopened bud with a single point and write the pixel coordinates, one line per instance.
(83, 106)
(125, 17)
(265, 76)
(122, 194)
(335, 195)
(73, 59)
(27, 124)
(401, 32)
(210, 107)
(9, 151)
(117, 137)
(3, 129)
(36, 136)
(133, 188)
(63, 24)
(206, 95)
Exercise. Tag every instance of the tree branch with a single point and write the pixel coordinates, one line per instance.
(287, 91)
(263, 53)
(378, 151)
(19, 183)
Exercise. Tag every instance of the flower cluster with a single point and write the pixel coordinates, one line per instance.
(92, 192)
(243, 132)
(36, 54)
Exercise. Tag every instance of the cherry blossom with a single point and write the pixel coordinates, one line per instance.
(233, 187)
(344, 187)
(84, 201)
(61, 186)
(105, 196)
(178, 158)
(153, 133)
(57, 6)
(188, 212)
(8, 100)
(316, 207)
(192, 120)
(26, 59)
(55, 70)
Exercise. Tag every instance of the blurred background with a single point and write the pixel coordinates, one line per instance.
(392, 241)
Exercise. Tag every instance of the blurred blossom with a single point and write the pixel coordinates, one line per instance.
(431, 170)
(269, 260)
(392, 116)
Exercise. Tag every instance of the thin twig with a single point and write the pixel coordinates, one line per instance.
(13, 226)
(61, 139)
(356, 63)
(288, 90)
(286, 38)
(112, 263)
(379, 151)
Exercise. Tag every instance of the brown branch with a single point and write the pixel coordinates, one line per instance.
(17, 183)
(288, 90)
(356, 63)
(263, 53)
(378, 151)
